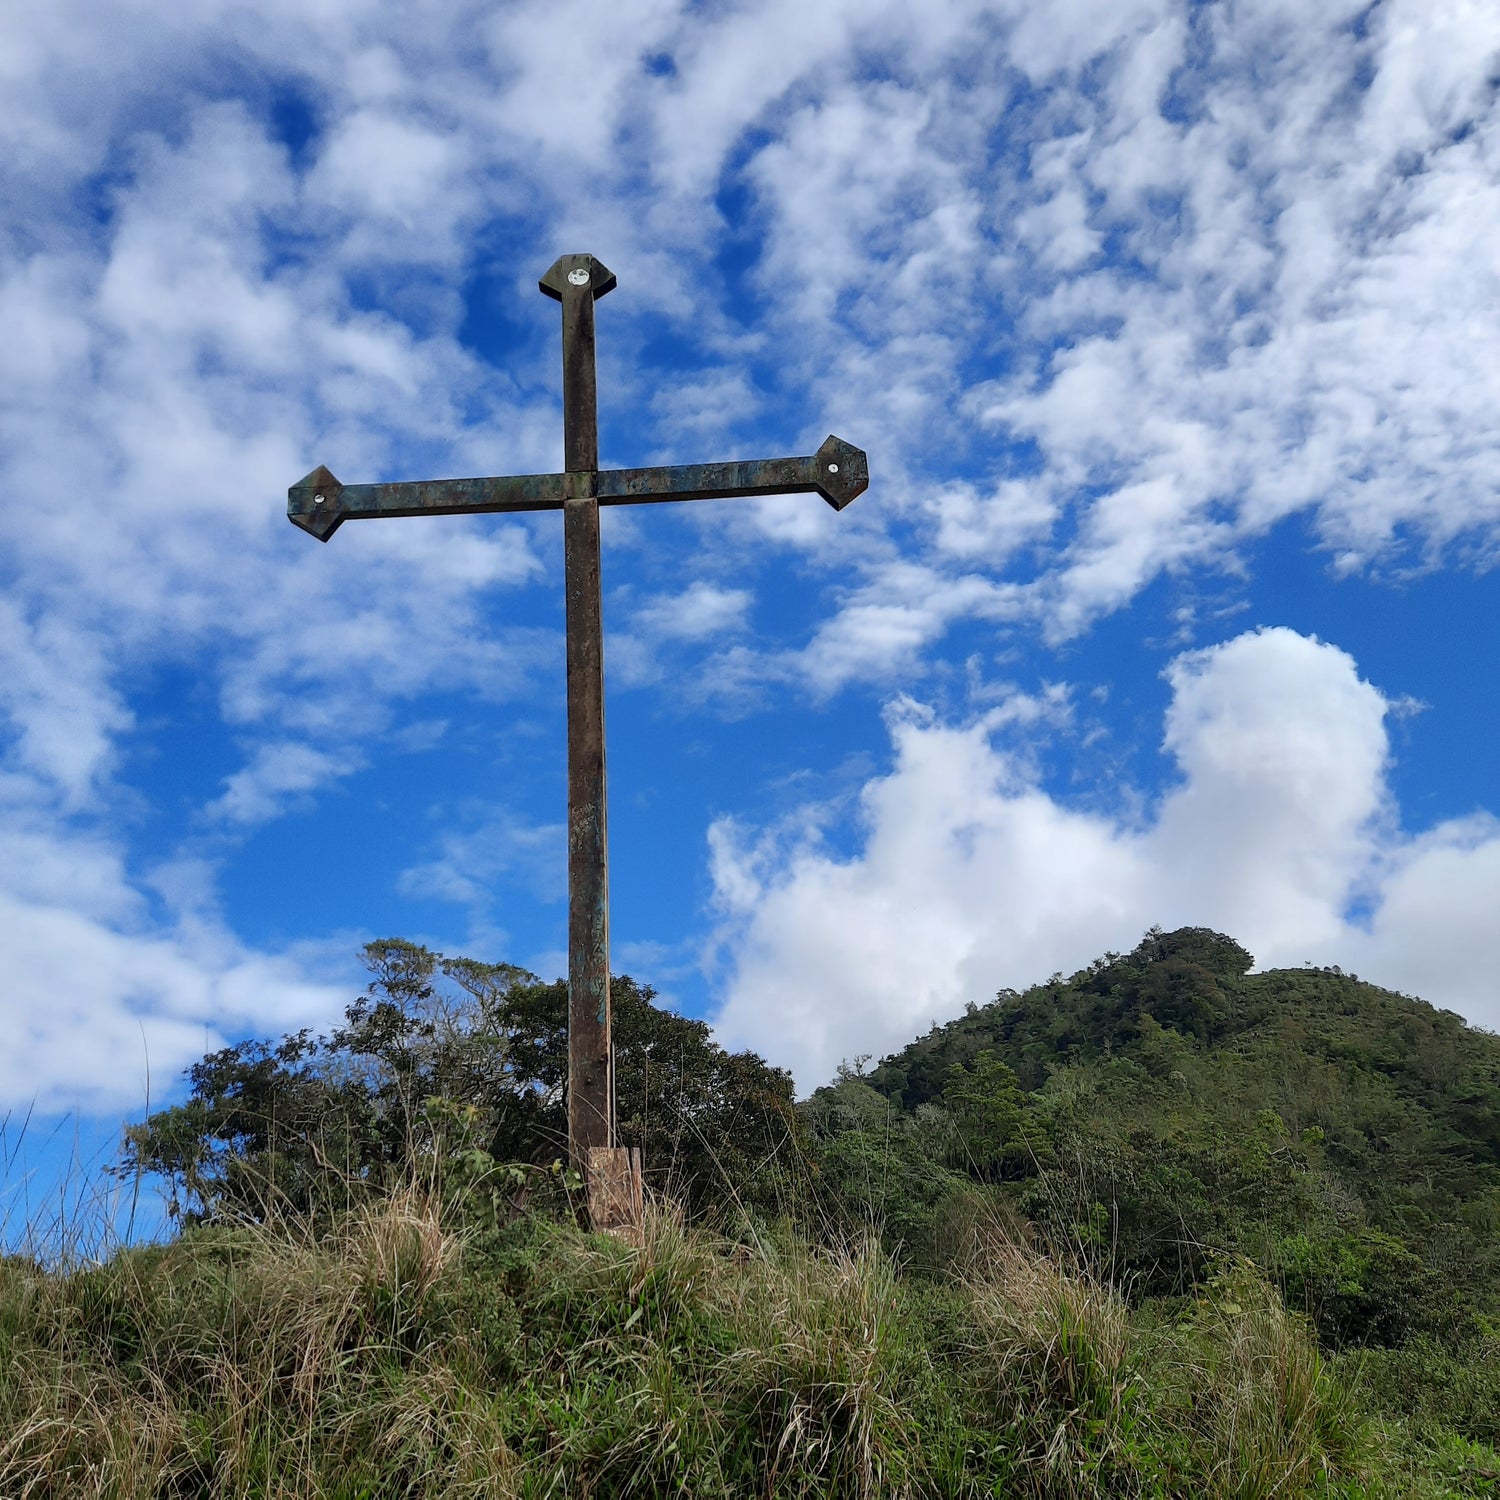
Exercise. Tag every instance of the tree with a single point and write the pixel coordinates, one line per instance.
(444, 1056)
(986, 1103)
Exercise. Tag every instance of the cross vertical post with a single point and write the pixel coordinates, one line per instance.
(319, 504)
(576, 280)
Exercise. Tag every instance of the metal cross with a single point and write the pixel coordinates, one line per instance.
(319, 504)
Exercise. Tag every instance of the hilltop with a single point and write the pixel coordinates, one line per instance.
(1344, 1136)
(1161, 1228)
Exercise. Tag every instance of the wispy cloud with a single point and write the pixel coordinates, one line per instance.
(484, 846)
(1111, 290)
(278, 774)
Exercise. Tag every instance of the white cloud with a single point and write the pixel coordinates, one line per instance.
(387, 168)
(279, 774)
(658, 626)
(55, 693)
(989, 526)
(970, 876)
(1292, 319)
(705, 404)
(1302, 333)
(544, 50)
(701, 611)
(86, 875)
(1070, 33)
(484, 845)
(1434, 933)
(881, 628)
(94, 992)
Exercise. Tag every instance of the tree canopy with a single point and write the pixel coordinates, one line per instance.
(446, 1061)
(1161, 1110)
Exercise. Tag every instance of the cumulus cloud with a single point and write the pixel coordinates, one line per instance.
(98, 990)
(970, 876)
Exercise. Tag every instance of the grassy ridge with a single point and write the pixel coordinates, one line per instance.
(394, 1354)
(1047, 1250)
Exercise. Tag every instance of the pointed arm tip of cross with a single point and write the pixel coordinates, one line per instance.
(313, 504)
(843, 471)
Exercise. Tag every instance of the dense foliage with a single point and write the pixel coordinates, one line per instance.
(456, 1068)
(1167, 1108)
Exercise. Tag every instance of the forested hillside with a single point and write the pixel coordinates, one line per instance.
(1167, 1107)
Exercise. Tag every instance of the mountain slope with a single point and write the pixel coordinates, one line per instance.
(1169, 1108)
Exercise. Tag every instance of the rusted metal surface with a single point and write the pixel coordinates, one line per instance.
(319, 504)
(838, 472)
(590, 1055)
(576, 280)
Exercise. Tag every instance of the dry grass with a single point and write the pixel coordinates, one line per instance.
(1054, 1359)
(392, 1354)
(257, 1361)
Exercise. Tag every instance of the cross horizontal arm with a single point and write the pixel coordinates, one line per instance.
(838, 472)
(319, 503)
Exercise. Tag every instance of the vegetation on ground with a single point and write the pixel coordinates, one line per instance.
(1164, 1228)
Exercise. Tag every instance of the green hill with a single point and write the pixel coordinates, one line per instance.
(1164, 1228)
(1346, 1136)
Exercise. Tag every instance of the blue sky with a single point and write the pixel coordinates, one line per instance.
(1170, 331)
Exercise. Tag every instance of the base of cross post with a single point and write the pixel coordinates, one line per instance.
(617, 1198)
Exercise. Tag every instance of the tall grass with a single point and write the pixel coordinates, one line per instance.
(265, 1360)
(1054, 1375)
(1270, 1415)
(59, 1203)
(398, 1350)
